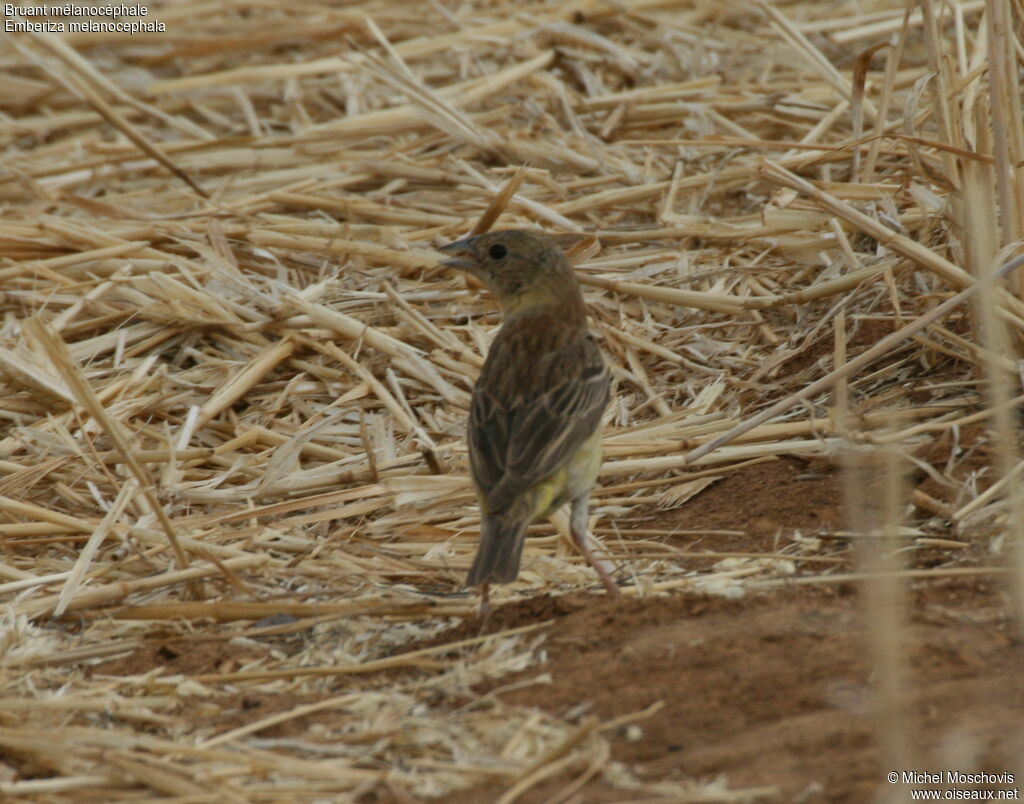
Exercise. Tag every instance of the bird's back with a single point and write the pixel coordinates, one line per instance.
(541, 394)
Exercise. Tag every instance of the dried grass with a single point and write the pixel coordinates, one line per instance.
(233, 381)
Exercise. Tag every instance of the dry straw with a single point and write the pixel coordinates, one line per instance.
(233, 381)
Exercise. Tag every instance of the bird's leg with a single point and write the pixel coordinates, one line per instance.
(585, 542)
(485, 606)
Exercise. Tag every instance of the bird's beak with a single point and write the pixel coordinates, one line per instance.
(463, 256)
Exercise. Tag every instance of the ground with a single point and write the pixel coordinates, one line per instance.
(770, 692)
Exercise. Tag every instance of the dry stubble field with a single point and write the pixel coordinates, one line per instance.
(234, 504)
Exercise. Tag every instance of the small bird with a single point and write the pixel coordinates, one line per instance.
(535, 419)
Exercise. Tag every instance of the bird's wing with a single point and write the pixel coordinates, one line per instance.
(527, 420)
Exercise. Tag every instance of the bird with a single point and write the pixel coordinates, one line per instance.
(534, 430)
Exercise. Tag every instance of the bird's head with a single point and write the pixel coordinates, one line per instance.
(523, 269)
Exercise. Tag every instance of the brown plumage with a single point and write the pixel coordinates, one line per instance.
(535, 422)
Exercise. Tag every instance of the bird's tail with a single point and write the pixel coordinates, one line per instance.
(501, 546)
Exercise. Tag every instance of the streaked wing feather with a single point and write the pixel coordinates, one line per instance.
(552, 430)
(488, 440)
(518, 444)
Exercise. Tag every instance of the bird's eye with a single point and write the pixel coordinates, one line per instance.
(497, 252)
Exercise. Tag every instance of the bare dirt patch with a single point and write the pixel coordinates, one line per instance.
(774, 691)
